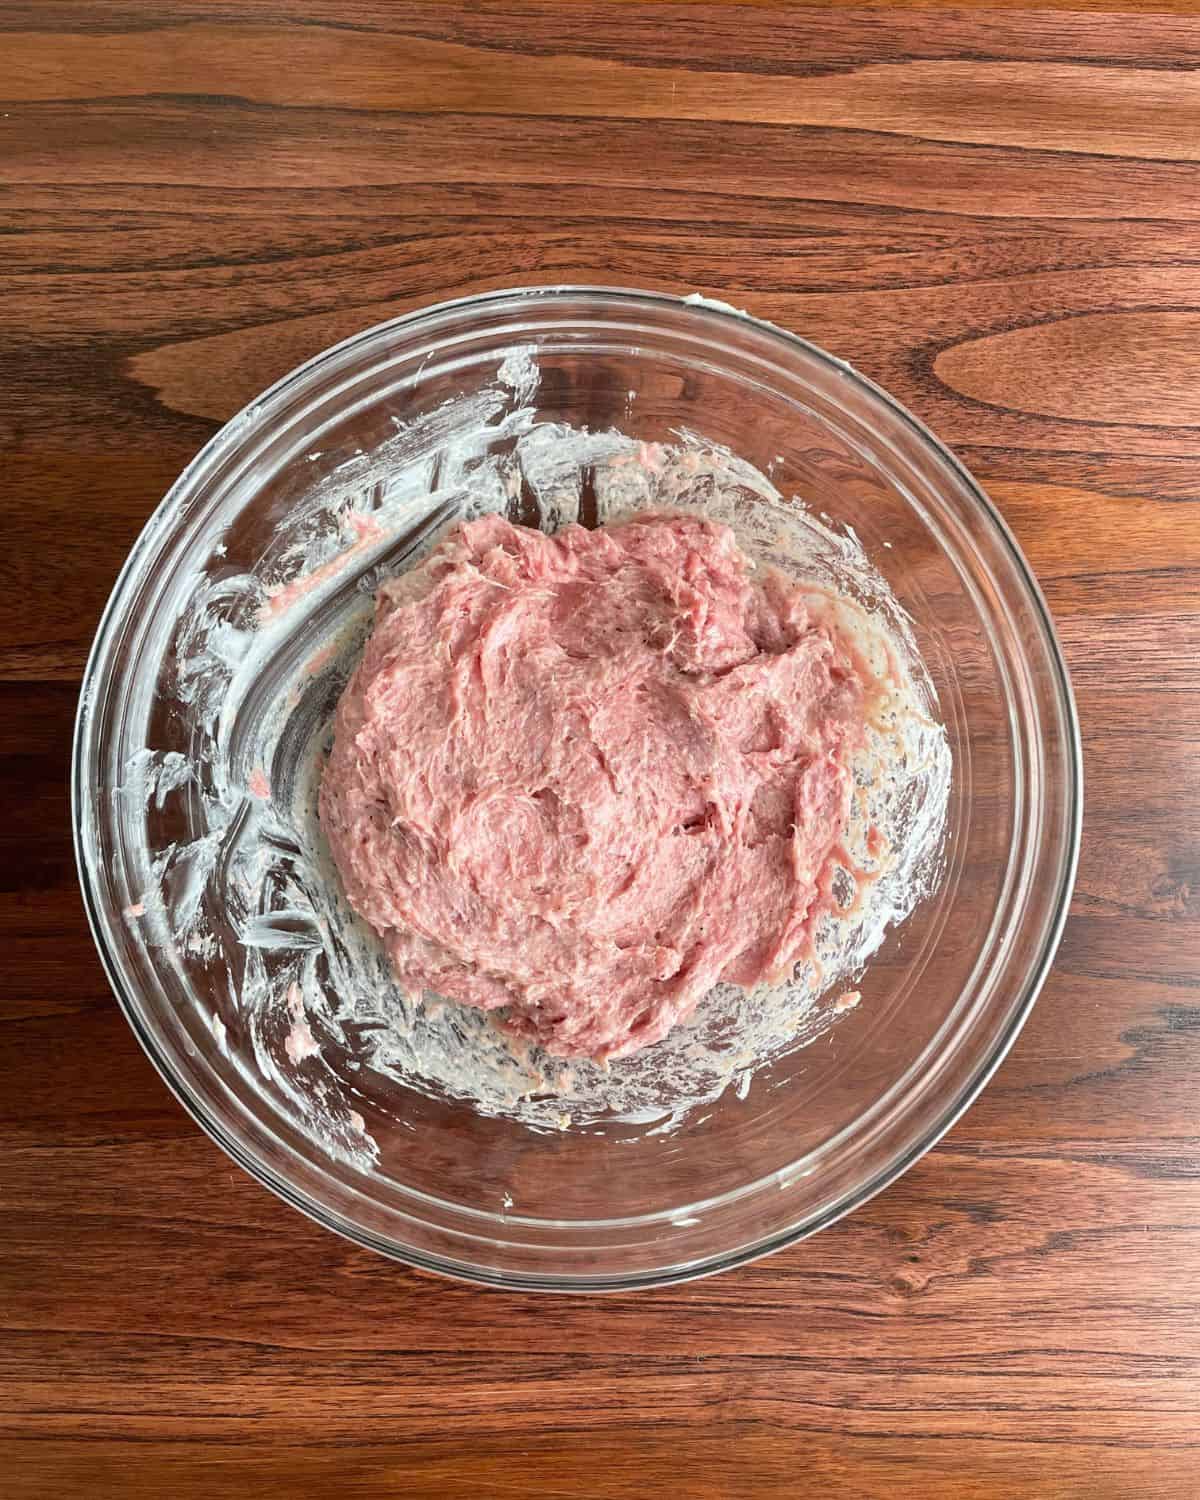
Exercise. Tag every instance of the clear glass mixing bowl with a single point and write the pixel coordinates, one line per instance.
(824, 1127)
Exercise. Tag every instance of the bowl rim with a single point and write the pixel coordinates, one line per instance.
(465, 1270)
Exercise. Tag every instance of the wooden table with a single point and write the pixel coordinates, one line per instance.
(997, 216)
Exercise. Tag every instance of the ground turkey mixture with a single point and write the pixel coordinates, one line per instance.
(582, 778)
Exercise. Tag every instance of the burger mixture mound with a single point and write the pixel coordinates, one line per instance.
(579, 779)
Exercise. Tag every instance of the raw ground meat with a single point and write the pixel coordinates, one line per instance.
(581, 778)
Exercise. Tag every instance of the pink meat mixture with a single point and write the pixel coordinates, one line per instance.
(579, 779)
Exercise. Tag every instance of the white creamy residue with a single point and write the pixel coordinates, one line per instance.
(248, 899)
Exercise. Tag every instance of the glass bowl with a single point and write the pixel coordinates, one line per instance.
(447, 1187)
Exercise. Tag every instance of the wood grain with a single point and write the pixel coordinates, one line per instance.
(997, 215)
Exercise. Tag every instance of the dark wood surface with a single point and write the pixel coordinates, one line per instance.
(996, 215)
